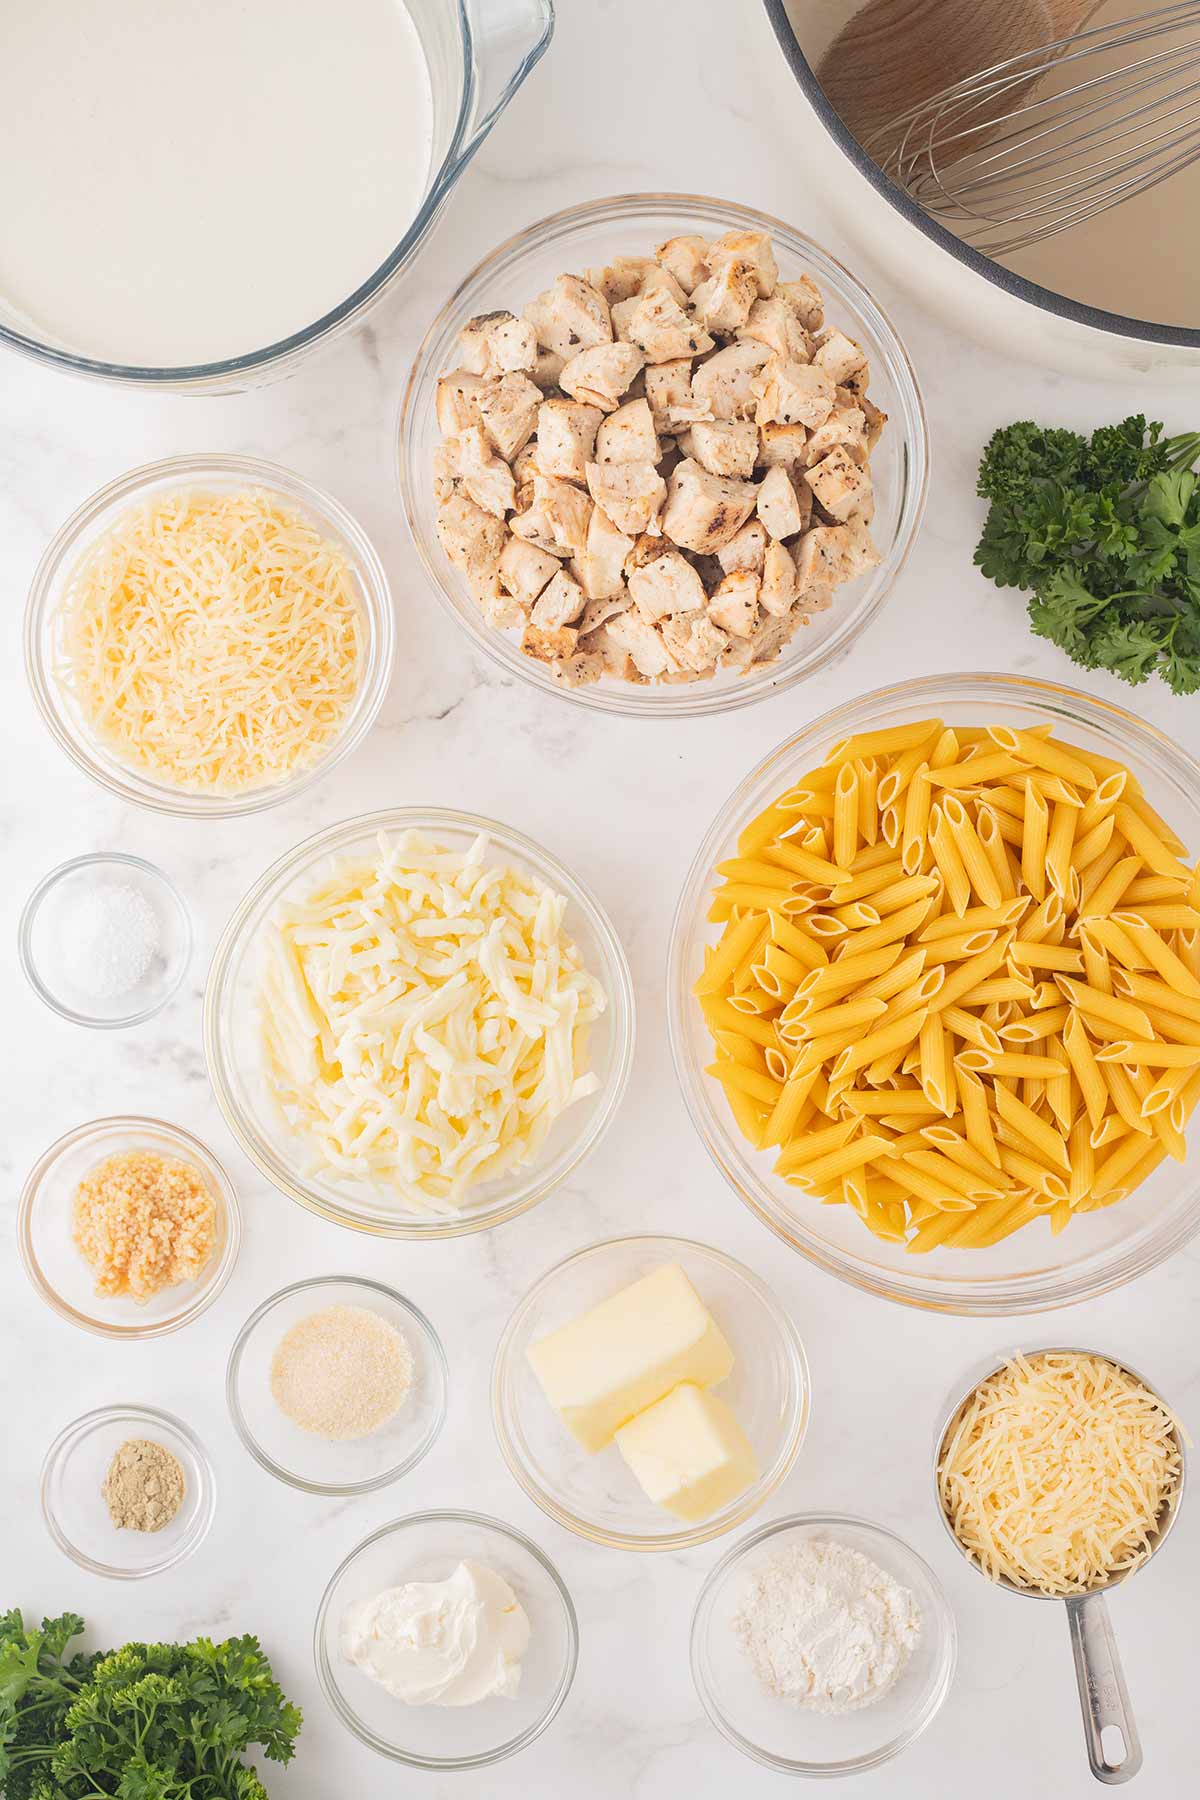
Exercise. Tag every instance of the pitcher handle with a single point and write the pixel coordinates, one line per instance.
(1103, 1695)
(506, 39)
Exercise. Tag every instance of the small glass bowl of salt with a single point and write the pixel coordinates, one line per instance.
(105, 940)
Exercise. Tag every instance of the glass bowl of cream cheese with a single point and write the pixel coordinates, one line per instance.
(446, 1640)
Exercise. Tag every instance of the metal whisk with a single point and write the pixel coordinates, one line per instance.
(1012, 155)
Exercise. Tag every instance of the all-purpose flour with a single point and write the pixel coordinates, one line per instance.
(826, 1628)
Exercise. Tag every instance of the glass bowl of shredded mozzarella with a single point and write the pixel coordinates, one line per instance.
(418, 1023)
(822, 1644)
(208, 635)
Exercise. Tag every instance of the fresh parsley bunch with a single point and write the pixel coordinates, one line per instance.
(1105, 533)
(148, 1722)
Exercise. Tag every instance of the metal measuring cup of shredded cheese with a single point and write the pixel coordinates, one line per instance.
(1110, 1731)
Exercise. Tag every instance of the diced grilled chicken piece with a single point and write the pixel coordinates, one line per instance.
(673, 405)
(773, 323)
(570, 316)
(839, 483)
(622, 313)
(599, 377)
(821, 558)
(861, 553)
(615, 658)
(874, 422)
(753, 247)
(525, 570)
(561, 602)
(600, 571)
(804, 297)
(445, 469)
(549, 646)
(566, 438)
(657, 279)
(498, 343)
(777, 590)
(598, 612)
(667, 585)
(577, 671)
(684, 258)
(733, 608)
(508, 409)
(662, 330)
(839, 356)
(557, 519)
(723, 302)
(781, 445)
(779, 505)
(457, 402)
(632, 494)
(694, 641)
(547, 369)
(723, 446)
(525, 467)
(771, 634)
(621, 278)
(704, 511)
(628, 435)
(725, 383)
(845, 425)
(642, 644)
(745, 550)
(485, 476)
(498, 607)
(471, 537)
(794, 394)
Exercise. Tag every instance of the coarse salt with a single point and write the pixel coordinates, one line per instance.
(342, 1372)
(109, 940)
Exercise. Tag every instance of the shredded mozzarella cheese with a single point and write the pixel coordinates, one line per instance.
(424, 1020)
(212, 641)
(1057, 1470)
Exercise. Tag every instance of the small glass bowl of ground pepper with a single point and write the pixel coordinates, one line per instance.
(118, 1521)
(189, 1248)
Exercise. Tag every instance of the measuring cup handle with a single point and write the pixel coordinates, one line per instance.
(507, 39)
(1103, 1695)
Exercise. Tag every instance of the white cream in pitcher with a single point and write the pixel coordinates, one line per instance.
(184, 184)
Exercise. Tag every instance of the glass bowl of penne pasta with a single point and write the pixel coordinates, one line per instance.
(935, 993)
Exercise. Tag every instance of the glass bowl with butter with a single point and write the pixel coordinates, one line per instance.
(498, 1636)
(650, 1393)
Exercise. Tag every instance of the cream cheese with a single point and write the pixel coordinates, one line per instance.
(441, 1643)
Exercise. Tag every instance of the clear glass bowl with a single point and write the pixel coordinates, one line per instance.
(479, 52)
(631, 224)
(427, 1547)
(1029, 1271)
(57, 1269)
(55, 573)
(73, 1503)
(46, 921)
(598, 1497)
(347, 1466)
(231, 1040)
(788, 1737)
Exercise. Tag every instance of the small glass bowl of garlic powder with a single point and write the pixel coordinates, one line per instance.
(337, 1385)
(827, 1714)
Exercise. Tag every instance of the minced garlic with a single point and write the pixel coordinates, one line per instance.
(144, 1222)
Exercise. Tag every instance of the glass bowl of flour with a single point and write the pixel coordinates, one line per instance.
(822, 1645)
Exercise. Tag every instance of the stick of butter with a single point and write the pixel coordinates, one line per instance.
(612, 1362)
(689, 1453)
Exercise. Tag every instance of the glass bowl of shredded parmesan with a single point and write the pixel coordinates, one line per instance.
(208, 635)
(418, 1023)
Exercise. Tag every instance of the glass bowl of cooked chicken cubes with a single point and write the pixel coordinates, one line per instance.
(662, 454)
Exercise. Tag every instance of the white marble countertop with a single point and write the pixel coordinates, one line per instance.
(597, 118)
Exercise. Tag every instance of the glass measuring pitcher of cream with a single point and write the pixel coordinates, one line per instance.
(195, 198)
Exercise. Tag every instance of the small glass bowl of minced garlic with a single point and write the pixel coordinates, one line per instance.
(127, 1491)
(337, 1385)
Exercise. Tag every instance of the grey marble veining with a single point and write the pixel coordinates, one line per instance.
(596, 119)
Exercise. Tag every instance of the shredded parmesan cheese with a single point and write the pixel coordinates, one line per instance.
(1057, 1471)
(212, 641)
(424, 1020)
